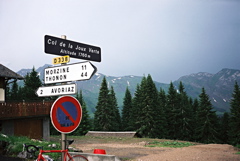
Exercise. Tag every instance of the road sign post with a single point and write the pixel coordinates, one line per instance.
(66, 111)
(66, 114)
(67, 73)
(58, 46)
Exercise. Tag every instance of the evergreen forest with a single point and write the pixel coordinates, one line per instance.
(149, 111)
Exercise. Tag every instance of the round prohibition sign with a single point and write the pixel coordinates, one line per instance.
(66, 114)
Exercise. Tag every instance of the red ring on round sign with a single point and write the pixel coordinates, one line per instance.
(54, 118)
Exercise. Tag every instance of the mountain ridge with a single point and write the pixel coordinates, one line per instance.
(218, 86)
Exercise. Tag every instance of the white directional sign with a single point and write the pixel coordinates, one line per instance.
(67, 73)
(67, 89)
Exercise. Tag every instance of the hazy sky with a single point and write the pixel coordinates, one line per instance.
(164, 38)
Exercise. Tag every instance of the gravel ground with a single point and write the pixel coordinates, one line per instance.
(138, 152)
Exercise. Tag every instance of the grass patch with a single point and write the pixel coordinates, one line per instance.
(14, 145)
(238, 147)
(171, 144)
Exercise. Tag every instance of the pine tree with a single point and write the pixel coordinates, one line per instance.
(102, 115)
(195, 107)
(31, 84)
(127, 111)
(162, 127)
(185, 115)
(14, 91)
(171, 112)
(234, 133)
(142, 130)
(85, 125)
(8, 94)
(149, 119)
(224, 131)
(144, 117)
(136, 109)
(207, 131)
(138, 105)
(116, 119)
(155, 109)
(20, 91)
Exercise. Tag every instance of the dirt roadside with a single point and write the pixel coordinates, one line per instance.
(136, 151)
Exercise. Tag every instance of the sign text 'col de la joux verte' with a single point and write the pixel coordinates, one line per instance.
(62, 47)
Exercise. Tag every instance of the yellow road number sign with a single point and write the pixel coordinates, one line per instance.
(61, 59)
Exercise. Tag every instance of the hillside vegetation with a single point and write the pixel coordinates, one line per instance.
(152, 112)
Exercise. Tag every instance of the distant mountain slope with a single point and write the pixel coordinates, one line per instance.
(218, 86)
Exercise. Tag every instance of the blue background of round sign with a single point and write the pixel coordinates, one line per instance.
(66, 114)
(62, 117)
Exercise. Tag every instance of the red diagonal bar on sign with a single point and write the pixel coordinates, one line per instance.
(66, 113)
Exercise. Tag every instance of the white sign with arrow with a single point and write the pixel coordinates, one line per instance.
(66, 89)
(67, 73)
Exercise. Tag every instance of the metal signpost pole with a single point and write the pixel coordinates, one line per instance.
(63, 143)
(63, 135)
